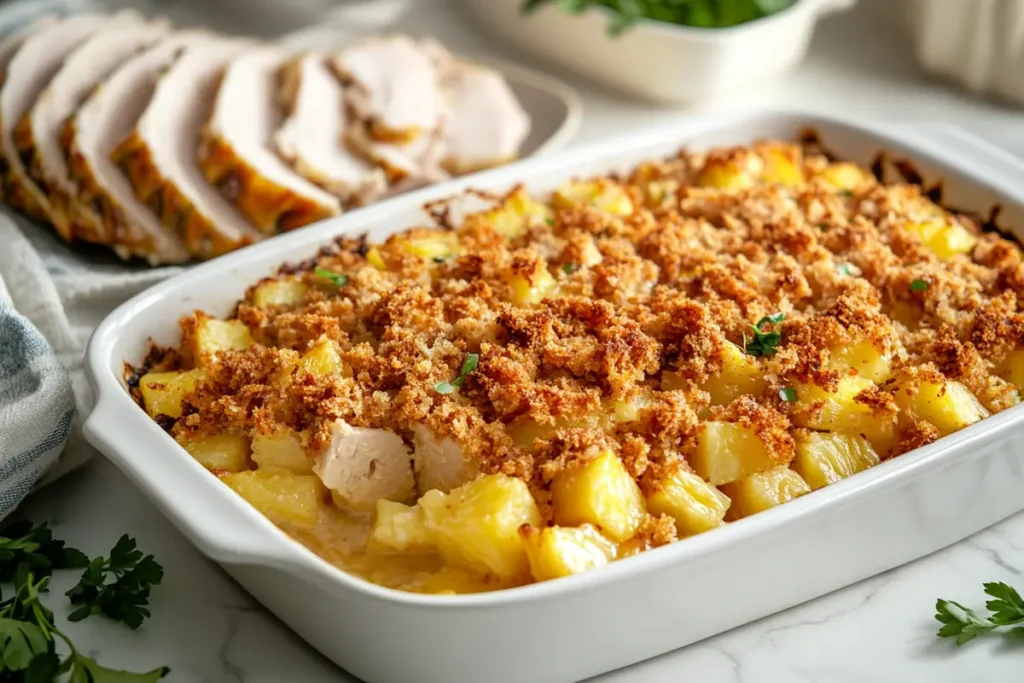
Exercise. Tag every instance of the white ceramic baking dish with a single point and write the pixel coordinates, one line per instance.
(572, 628)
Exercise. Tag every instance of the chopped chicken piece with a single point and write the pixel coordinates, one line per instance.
(362, 466)
(311, 137)
(486, 124)
(83, 69)
(28, 73)
(104, 119)
(439, 463)
(393, 86)
(236, 154)
(159, 155)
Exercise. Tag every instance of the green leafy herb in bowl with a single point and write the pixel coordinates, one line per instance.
(697, 13)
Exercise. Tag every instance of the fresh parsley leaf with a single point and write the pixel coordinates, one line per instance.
(34, 546)
(468, 366)
(918, 285)
(846, 193)
(787, 394)
(126, 597)
(623, 14)
(339, 279)
(549, 221)
(86, 670)
(439, 259)
(765, 341)
(20, 643)
(963, 624)
(569, 268)
(823, 226)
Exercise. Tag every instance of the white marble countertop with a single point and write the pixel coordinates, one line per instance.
(207, 629)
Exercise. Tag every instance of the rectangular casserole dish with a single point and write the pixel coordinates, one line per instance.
(580, 626)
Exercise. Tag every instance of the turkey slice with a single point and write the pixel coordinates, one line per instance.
(83, 69)
(159, 155)
(310, 139)
(393, 86)
(8, 47)
(29, 71)
(485, 125)
(104, 119)
(406, 165)
(236, 154)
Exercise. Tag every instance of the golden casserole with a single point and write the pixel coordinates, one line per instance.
(561, 382)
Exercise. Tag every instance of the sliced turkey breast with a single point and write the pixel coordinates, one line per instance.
(393, 86)
(361, 466)
(83, 69)
(310, 139)
(236, 154)
(108, 115)
(406, 165)
(159, 155)
(438, 463)
(485, 125)
(28, 73)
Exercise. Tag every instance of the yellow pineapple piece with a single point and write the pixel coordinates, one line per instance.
(163, 392)
(400, 527)
(619, 411)
(533, 289)
(283, 498)
(213, 336)
(844, 175)
(558, 551)
(476, 525)
(726, 172)
(374, 258)
(740, 376)
(823, 459)
(601, 493)
(279, 293)
(840, 412)
(515, 215)
(320, 360)
(694, 504)
(781, 168)
(943, 239)
(602, 194)
(219, 452)
(442, 245)
(1012, 369)
(763, 490)
(868, 361)
(281, 451)
(949, 406)
(727, 452)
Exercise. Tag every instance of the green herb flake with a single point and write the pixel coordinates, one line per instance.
(468, 366)
(919, 285)
(549, 221)
(569, 268)
(823, 226)
(766, 337)
(439, 259)
(788, 394)
(846, 193)
(339, 279)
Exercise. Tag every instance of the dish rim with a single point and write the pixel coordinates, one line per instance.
(276, 549)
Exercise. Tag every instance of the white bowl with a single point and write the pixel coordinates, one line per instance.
(657, 60)
(580, 626)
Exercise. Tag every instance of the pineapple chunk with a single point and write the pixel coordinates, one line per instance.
(163, 392)
(763, 490)
(213, 336)
(400, 527)
(604, 195)
(283, 498)
(727, 452)
(739, 376)
(558, 551)
(279, 293)
(281, 451)
(517, 214)
(823, 459)
(943, 239)
(441, 246)
(320, 360)
(219, 452)
(949, 406)
(780, 168)
(840, 412)
(620, 411)
(1012, 369)
(477, 525)
(843, 175)
(869, 362)
(533, 289)
(724, 174)
(374, 258)
(601, 493)
(694, 504)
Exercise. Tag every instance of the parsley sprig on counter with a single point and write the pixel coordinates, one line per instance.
(28, 633)
(698, 13)
(1007, 612)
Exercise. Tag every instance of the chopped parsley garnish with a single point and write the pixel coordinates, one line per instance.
(550, 221)
(848, 269)
(766, 337)
(339, 279)
(823, 226)
(846, 193)
(439, 259)
(468, 366)
(569, 268)
(1006, 607)
(787, 394)
(918, 285)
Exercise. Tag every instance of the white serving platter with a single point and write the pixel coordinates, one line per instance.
(573, 628)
